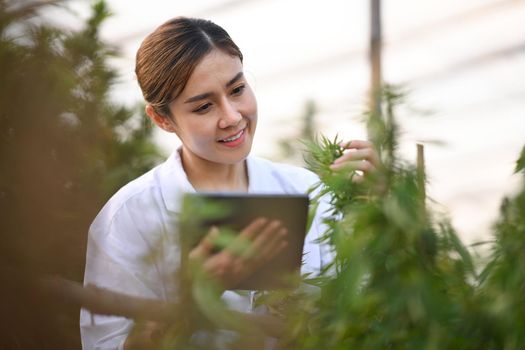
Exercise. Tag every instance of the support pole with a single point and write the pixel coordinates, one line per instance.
(375, 56)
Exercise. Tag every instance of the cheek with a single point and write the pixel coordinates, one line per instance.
(251, 106)
(201, 133)
(190, 132)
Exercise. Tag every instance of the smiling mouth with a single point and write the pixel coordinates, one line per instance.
(234, 137)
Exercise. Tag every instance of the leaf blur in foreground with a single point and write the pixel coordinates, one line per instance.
(64, 148)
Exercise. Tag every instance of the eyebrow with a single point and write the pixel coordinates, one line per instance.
(205, 95)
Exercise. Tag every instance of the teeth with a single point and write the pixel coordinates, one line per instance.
(233, 138)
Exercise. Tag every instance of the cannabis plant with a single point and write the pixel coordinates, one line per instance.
(401, 278)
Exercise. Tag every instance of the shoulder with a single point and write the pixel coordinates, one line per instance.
(290, 178)
(139, 201)
(154, 195)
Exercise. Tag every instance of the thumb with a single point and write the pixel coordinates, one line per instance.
(206, 245)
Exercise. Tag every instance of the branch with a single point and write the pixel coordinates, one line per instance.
(106, 302)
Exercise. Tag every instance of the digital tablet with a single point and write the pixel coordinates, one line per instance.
(233, 212)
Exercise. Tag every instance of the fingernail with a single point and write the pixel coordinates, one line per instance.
(338, 160)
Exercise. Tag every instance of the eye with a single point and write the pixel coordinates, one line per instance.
(203, 109)
(238, 90)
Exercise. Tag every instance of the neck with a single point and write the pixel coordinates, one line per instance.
(205, 175)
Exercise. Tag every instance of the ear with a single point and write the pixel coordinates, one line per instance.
(163, 122)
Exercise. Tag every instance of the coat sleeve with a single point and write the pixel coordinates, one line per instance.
(116, 259)
(317, 255)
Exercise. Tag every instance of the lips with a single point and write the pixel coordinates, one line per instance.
(233, 137)
(235, 140)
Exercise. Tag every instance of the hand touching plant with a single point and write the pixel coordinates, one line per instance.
(358, 155)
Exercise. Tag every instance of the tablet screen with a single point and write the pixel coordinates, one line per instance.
(233, 212)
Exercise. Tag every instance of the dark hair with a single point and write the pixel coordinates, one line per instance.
(167, 57)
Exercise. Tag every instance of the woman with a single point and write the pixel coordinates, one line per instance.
(191, 75)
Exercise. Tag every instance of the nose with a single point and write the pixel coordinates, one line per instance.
(231, 116)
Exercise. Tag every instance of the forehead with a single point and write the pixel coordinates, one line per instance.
(213, 71)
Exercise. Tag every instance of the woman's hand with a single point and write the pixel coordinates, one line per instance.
(359, 156)
(145, 335)
(256, 245)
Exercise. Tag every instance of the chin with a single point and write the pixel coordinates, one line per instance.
(236, 157)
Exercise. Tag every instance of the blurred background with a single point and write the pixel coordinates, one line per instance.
(461, 62)
(72, 129)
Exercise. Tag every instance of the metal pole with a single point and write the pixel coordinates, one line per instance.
(375, 55)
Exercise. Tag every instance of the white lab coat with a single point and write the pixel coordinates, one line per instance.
(142, 216)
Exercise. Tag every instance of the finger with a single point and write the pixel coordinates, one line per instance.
(242, 245)
(155, 329)
(267, 241)
(144, 335)
(358, 178)
(255, 226)
(274, 245)
(206, 245)
(360, 154)
(357, 144)
(353, 165)
(266, 234)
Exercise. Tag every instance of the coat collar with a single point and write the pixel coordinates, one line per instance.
(174, 181)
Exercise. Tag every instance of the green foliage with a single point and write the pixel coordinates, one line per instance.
(64, 148)
(502, 290)
(402, 279)
(520, 164)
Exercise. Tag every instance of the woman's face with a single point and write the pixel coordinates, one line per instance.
(216, 114)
